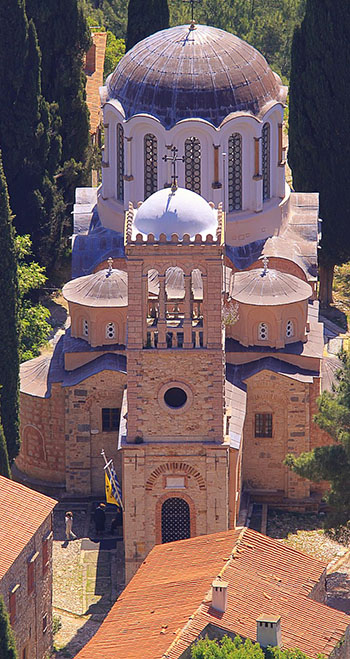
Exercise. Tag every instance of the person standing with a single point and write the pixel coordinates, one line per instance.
(69, 524)
(100, 519)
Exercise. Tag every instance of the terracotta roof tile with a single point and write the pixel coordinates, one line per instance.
(22, 511)
(165, 606)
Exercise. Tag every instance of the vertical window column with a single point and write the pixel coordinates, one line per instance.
(193, 164)
(235, 172)
(266, 161)
(150, 165)
(120, 162)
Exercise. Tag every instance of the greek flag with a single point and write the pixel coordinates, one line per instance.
(116, 489)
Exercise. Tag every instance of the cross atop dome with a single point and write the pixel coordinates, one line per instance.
(174, 158)
(192, 3)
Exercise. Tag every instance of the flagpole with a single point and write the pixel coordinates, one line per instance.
(107, 466)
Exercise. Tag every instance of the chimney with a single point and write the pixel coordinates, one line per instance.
(219, 595)
(268, 631)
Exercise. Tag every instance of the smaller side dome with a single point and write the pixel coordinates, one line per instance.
(175, 212)
(263, 286)
(106, 288)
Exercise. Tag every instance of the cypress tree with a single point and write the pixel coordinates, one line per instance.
(4, 458)
(145, 18)
(30, 144)
(319, 125)
(7, 639)
(64, 38)
(9, 326)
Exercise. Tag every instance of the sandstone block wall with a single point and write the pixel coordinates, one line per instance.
(145, 470)
(288, 401)
(30, 609)
(42, 454)
(84, 437)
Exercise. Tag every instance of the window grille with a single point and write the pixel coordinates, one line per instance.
(263, 425)
(85, 328)
(235, 172)
(120, 162)
(12, 607)
(110, 418)
(193, 164)
(150, 164)
(266, 161)
(289, 329)
(110, 331)
(175, 520)
(45, 623)
(263, 332)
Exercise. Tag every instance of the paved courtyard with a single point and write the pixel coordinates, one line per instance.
(88, 576)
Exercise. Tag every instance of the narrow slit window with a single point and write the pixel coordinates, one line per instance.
(235, 172)
(266, 161)
(120, 162)
(263, 332)
(193, 164)
(150, 165)
(110, 331)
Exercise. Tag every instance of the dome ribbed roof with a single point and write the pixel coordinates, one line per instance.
(268, 287)
(106, 288)
(181, 73)
(180, 212)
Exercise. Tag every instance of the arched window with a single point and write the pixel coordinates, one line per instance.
(263, 332)
(193, 164)
(150, 164)
(289, 329)
(85, 328)
(120, 162)
(110, 331)
(266, 161)
(235, 172)
(176, 523)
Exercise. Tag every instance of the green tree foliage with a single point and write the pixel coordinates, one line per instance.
(29, 136)
(110, 13)
(4, 458)
(332, 463)
(9, 359)
(34, 328)
(319, 125)
(115, 49)
(64, 38)
(7, 639)
(145, 18)
(237, 649)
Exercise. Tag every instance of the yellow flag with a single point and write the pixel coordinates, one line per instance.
(108, 487)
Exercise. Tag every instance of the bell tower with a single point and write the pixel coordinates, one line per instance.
(175, 466)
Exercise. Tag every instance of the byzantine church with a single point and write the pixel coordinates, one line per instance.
(194, 355)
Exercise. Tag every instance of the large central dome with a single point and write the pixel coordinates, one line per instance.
(204, 73)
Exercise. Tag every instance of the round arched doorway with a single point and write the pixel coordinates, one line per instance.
(176, 522)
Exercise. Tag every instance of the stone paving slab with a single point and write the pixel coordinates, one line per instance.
(86, 583)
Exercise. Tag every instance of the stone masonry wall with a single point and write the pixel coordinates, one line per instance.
(30, 609)
(84, 437)
(201, 371)
(288, 401)
(145, 470)
(42, 454)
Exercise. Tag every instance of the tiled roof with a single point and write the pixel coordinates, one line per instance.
(22, 511)
(167, 603)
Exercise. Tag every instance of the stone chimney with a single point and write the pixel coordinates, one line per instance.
(219, 595)
(268, 631)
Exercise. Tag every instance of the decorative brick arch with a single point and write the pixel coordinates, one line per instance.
(174, 495)
(175, 467)
(34, 445)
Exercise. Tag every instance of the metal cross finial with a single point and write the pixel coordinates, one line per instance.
(265, 263)
(110, 265)
(192, 3)
(174, 158)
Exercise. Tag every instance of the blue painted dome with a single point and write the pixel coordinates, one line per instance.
(180, 212)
